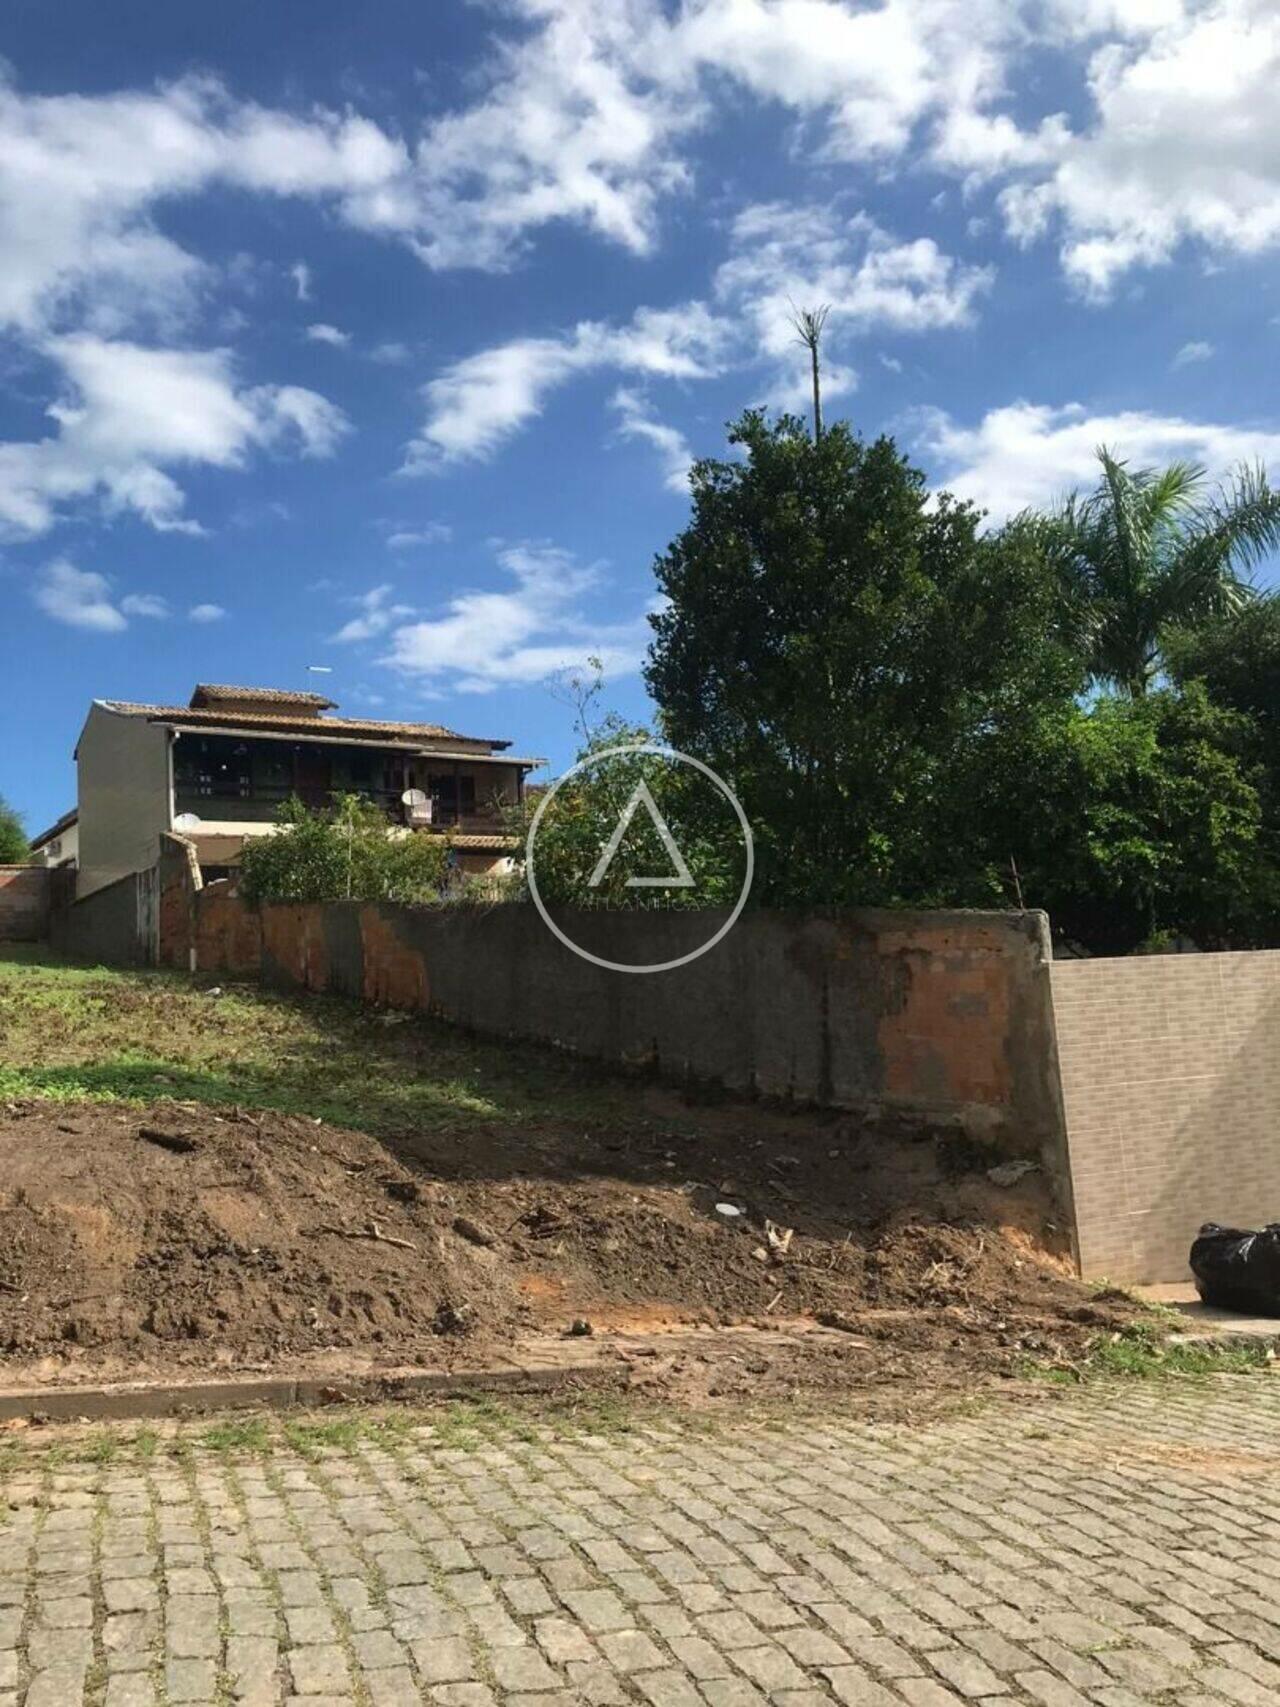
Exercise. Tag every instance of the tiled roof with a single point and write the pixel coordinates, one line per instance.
(360, 728)
(209, 693)
(64, 823)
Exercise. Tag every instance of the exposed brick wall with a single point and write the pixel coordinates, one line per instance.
(24, 903)
(940, 1017)
(178, 873)
(1170, 1068)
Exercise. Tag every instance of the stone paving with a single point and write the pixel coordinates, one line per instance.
(1104, 1547)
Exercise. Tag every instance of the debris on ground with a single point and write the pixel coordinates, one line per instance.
(1009, 1173)
(143, 1242)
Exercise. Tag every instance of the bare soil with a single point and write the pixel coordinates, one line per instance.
(161, 1240)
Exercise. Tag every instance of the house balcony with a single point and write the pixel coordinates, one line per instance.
(261, 805)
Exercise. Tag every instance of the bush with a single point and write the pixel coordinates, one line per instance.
(346, 854)
(13, 838)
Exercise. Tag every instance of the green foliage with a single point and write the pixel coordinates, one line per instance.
(345, 854)
(1149, 551)
(899, 699)
(854, 659)
(1141, 1353)
(13, 838)
(574, 830)
(1137, 821)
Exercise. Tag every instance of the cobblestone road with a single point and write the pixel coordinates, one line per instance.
(1105, 1548)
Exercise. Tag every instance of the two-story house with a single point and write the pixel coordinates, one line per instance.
(217, 771)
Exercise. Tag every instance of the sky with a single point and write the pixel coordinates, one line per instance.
(380, 338)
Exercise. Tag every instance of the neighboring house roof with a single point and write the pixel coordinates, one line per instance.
(244, 721)
(210, 694)
(64, 823)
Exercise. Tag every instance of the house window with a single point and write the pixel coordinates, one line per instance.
(215, 769)
(452, 796)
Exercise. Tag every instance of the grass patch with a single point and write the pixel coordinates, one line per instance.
(1140, 1352)
(248, 1434)
(100, 1034)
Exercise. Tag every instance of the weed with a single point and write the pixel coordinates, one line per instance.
(248, 1434)
(1140, 1352)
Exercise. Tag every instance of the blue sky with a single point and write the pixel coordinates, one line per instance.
(380, 338)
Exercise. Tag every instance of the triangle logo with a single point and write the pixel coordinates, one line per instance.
(682, 878)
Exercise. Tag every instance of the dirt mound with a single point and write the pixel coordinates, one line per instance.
(136, 1241)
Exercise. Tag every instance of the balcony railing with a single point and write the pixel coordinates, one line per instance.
(261, 803)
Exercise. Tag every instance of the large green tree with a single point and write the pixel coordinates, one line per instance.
(1139, 820)
(1150, 551)
(13, 838)
(853, 654)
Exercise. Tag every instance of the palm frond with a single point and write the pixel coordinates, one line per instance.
(1242, 519)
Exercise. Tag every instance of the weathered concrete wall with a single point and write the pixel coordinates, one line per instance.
(24, 903)
(112, 927)
(1170, 1071)
(943, 1016)
(124, 796)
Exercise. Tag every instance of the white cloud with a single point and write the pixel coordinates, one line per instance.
(145, 604)
(780, 256)
(1029, 455)
(786, 255)
(429, 533)
(377, 613)
(322, 333)
(77, 597)
(391, 354)
(128, 412)
(206, 613)
(486, 640)
(576, 125)
(81, 176)
(590, 105)
(484, 398)
(585, 111)
(1184, 145)
(636, 420)
(1197, 351)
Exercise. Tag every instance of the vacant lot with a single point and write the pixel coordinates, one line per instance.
(226, 1177)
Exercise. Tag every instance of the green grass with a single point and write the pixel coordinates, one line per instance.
(70, 1033)
(1140, 1352)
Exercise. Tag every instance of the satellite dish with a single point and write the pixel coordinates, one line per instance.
(186, 821)
(414, 799)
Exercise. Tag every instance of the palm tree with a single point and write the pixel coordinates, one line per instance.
(1152, 550)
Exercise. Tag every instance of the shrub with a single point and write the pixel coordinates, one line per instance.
(348, 853)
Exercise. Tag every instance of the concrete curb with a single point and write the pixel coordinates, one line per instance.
(1228, 1339)
(120, 1401)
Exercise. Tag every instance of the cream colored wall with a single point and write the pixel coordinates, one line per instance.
(63, 849)
(1170, 1068)
(123, 799)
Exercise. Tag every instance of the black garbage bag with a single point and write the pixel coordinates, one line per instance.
(1238, 1270)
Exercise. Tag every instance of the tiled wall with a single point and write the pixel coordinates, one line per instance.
(1170, 1068)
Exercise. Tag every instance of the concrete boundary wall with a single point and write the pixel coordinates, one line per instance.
(24, 903)
(940, 1017)
(114, 925)
(1170, 1071)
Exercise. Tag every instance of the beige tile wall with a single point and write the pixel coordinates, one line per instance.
(1170, 1068)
